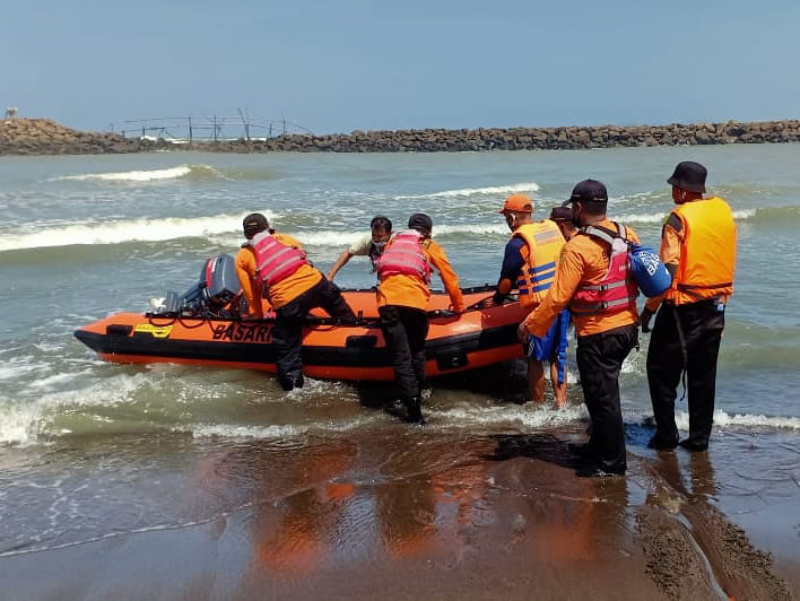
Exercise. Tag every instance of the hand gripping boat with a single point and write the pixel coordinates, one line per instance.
(203, 327)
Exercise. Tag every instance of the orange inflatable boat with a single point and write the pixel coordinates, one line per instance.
(202, 335)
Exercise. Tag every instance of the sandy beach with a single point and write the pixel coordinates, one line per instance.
(426, 516)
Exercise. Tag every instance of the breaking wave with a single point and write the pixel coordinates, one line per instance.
(746, 420)
(115, 232)
(488, 191)
(335, 238)
(660, 217)
(182, 171)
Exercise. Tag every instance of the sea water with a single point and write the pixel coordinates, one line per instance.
(89, 448)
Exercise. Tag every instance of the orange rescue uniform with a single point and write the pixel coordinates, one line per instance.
(543, 244)
(412, 291)
(279, 294)
(698, 246)
(583, 261)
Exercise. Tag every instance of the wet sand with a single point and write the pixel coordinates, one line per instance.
(415, 513)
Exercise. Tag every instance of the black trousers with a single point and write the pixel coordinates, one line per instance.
(287, 335)
(700, 326)
(405, 330)
(600, 358)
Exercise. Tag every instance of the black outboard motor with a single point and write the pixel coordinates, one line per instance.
(216, 288)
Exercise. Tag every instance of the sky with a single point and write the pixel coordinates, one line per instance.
(338, 66)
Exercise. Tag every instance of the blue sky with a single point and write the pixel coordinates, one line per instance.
(356, 64)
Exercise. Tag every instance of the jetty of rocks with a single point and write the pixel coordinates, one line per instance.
(43, 136)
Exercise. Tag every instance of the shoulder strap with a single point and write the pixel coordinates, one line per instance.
(606, 235)
(600, 233)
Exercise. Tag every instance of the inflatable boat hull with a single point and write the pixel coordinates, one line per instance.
(476, 338)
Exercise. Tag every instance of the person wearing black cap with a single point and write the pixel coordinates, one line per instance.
(404, 271)
(592, 279)
(274, 266)
(698, 246)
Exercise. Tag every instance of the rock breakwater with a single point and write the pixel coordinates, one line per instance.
(42, 136)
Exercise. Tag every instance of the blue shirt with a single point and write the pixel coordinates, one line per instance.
(512, 264)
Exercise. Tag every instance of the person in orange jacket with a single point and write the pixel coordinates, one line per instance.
(593, 279)
(274, 266)
(698, 247)
(529, 266)
(404, 271)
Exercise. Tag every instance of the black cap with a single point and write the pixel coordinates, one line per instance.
(589, 190)
(253, 224)
(561, 213)
(689, 176)
(420, 222)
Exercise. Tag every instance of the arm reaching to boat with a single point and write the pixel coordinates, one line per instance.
(439, 260)
(245, 265)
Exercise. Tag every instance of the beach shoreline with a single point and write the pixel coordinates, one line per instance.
(499, 516)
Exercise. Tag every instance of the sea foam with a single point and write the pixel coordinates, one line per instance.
(143, 176)
(487, 191)
(661, 216)
(132, 176)
(119, 231)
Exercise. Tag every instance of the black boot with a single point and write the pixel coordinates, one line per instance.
(415, 411)
(395, 407)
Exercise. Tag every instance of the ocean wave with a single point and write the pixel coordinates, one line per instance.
(286, 431)
(469, 415)
(181, 171)
(342, 239)
(744, 420)
(131, 230)
(776, 214)
(487, 191)
(24, 421)
(739, 215)
(639, 197)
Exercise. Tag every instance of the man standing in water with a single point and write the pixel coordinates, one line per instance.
(529, 265)
(371, 245)
(275, 266)
(404, 272)
(698, 246)
(593, 279)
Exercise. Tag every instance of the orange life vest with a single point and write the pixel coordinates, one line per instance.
(404, 256)
(544, 241)
(275, 261)
(708, 252)
(617, 291)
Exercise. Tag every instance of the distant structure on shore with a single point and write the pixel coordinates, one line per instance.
(187, 130)
(43, 136)
(11, 113)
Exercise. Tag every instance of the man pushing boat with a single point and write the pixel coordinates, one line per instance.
(274, 266)
(404, 271)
